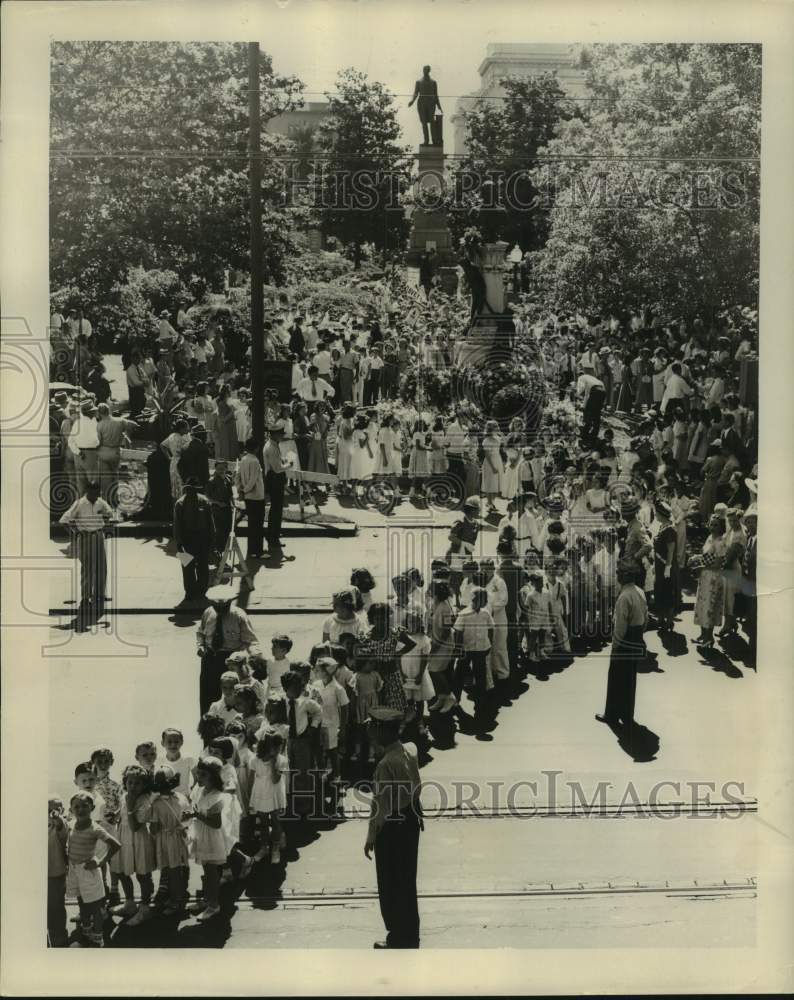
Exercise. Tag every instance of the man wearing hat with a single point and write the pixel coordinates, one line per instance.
(628, 648)
(194, 532)
(462, 539)
(84, 445)
(89, 517)
(275, 484)
(224, 629)
(194, 462)
(394, 827)
(166, 334)
(250, 484)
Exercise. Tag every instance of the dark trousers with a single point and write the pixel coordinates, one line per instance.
(213, 663)
(622, 678)
(137, 396)
(372, 388)
(56, 911)
(93, 570)
(513, 640)
(196, 575)
(396, 855)
(591, 414)
(275, 484)
(751, 626)
(255, 511)
(457, 472)
(222, 516)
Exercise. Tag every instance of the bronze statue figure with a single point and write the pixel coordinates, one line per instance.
(426, 93)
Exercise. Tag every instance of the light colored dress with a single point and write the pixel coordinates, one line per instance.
(137, 855)
(438, 455)
(209, 844)
(268, 796)
(170, 841)
(419, 461)
(383, 465)
(175, 444)
(287, 446)
(367, 685)
(344, 449)
(361, 462)
(510, 477)
(492, 480)
(711, 587)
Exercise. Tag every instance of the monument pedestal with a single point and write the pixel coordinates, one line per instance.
(429, 221)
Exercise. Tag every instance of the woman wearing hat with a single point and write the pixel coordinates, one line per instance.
(710, 596)
(492, 466)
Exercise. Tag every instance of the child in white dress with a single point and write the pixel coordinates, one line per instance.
(269, 793)
(209, 840)
(170, 811)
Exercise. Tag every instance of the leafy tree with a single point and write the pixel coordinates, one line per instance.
(149, 163)
(656, 187)
(493, 183)
(357, 185)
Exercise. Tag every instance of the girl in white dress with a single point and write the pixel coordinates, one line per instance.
(209, 841)
(137, 854)
(492, 468)
(269, 794)
(363, 457)
(170, 810)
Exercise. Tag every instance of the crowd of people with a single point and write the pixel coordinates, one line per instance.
(639, 484)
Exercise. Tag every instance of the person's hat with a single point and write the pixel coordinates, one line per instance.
(720, 509)
(752, 486)
(277, 427)
(554, 504)
(382, 713)
(88, 408)
(473, 503)
(164, 314)
(199, 430)
(527, 452)
(629, 506)
(734, 512)
(60, 397)
(605, 350)
(191, 483)
(222, 593)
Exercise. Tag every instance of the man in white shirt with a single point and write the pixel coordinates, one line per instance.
(78, 325)
(677, 388)
(251, 489)
(592, 392)
(84, 446)
(313, 388)
(166, 334)
(372, 385)
(310, 339)
(322, 362)
(88, 517)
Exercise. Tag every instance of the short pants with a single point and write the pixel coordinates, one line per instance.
(85, 883)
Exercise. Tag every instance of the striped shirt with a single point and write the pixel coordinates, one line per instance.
(88, 516)
(81, 846)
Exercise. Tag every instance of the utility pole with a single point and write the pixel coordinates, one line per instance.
(257, 270)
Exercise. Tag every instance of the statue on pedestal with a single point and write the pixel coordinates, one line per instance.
(426, 93)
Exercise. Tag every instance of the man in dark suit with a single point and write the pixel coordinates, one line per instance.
(297, 342)
(426, 93)
(194, 462)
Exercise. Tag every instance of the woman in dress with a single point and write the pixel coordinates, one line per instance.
(515, 439)
(665, 591)
(173, 446)
(318, 444)
(301, 431)
(363, 458)
(625, 394)
(711, 583)
(383, 647)
(419, 460)
(712, 470)
(492, 467)
(438, 453)
(384, 442)
(226, 443)
(287, 445)
(345, 446)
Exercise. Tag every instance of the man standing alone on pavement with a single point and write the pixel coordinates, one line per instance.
(394, 828)
(89, 517)
(194, 532)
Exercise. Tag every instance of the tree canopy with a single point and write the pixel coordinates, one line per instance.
(149, 163)
(656, 185)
